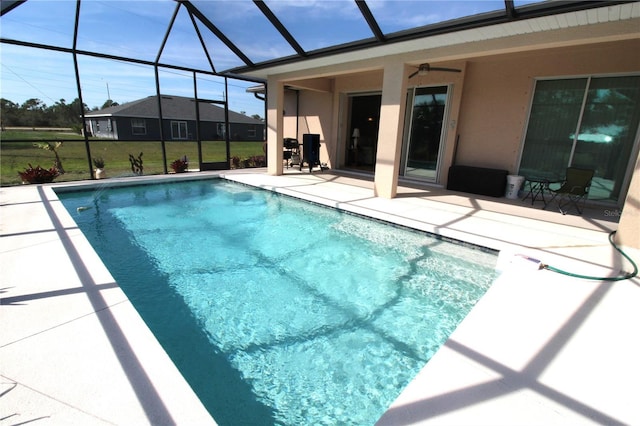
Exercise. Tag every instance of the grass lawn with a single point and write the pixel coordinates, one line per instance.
(15, 156)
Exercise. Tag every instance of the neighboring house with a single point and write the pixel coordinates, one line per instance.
(531, 97)
(138, 120)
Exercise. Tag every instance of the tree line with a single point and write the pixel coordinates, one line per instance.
(35, 113)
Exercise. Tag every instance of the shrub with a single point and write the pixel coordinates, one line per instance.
(253, 161)
(38, 174)
(136, 164)
(235, 162)
(180, 165)
(258, 161)
(98, 163)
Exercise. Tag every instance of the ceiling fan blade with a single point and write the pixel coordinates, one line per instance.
(414, 73)
(444, 69)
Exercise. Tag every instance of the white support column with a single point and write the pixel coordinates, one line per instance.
(392, 110)
(275, 120)
(628, 233)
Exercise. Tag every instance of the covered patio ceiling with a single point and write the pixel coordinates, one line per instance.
(242, 37)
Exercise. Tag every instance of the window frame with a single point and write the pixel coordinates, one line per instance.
(179, 126)
(138, 123)
(625, 181)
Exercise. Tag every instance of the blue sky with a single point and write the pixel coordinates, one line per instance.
(135, 29)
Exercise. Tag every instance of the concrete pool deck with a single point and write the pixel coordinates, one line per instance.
(539, 347)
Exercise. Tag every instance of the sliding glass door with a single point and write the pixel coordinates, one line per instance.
(423, 147)
(364, 119)
(587, 122)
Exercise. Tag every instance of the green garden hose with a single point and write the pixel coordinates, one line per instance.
(626, 276)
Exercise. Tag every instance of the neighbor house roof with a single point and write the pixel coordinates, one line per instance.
(173, 108)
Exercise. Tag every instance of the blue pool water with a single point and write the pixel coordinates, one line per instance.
(279, 311)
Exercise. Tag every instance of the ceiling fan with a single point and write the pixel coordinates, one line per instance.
(425, 68)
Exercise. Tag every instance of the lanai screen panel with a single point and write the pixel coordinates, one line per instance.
(318, 25)
(395, 16)
(246, 27)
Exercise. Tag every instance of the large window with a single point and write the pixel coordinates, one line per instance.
(586, 122)
(178, 130)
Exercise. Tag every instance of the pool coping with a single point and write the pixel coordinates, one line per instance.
(118, 362)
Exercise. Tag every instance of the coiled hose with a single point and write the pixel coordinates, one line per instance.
(626, 276)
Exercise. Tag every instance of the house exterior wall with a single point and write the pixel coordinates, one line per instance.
(125, 130)
(316, 108)
(103, 127)
(309, 112)
(488, 109)
(498, 92)
(291, 114)
(121, 129)
(489, 104)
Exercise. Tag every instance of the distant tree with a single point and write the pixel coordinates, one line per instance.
(9, 113)
(62, 114)
(109, 103)
(257, 117)
(32, 113)
(33, 104)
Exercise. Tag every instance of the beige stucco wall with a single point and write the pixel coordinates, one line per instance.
(289, 114)
(490, 103)
(306, 111)
(498, 92)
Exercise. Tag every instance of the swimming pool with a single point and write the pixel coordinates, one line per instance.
(279, 311)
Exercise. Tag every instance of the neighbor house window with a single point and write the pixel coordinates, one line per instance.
(587, 122)
(251, 131)
(178, 130)
(221, 130)
(138, 126)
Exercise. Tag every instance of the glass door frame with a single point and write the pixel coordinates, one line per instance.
(344, 149)
(625, 181)
(411, 92)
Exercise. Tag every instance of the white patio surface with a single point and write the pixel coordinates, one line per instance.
(539, 347)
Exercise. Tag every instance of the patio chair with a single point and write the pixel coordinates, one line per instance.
(574, 189)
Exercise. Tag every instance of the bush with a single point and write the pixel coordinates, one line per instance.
(98, 163)
(253, 161)
(38, 174)
(180, 165)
